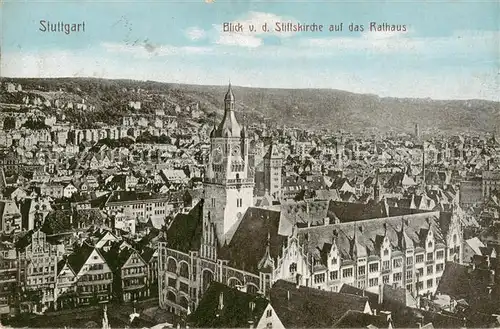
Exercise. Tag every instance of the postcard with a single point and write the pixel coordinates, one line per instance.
(249, 164)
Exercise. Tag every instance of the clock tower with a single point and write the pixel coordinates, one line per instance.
(229, 178)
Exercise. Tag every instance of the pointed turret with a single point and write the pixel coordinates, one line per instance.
(266, 264)
(229, 127)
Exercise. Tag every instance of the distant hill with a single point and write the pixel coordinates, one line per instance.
(308, 108)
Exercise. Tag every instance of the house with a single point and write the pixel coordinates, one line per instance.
(38, 257)
(65, 292)
(10, 217)
(69, 190)
(130, 279)
(94, 277)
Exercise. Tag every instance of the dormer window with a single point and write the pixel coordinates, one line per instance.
(386, 252)
(429, 245)
(334, 261)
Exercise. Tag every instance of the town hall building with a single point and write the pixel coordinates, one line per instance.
(316, 243)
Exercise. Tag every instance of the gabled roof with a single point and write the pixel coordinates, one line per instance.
(225, 307)
(80, 256)
(306, 307)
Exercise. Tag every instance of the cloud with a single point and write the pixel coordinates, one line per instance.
(460, 43)
(247, 38)
(148, 50)
(195, 33)
(237, 39)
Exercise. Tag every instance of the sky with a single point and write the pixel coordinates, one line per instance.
(450, 49)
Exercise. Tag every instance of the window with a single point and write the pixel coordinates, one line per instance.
(397, 276)
(373, 267)
(386, 252)
(420, 285)
(419, 258)
(334, 260)
(429, 245)
(420, 272)
(409, 261)
(293, 267)
(409, 287)
(440, 254)
(397, 262)
(439, 268)
(213, 202)
(430, 256)
(319, 278)
(361, 270)
(385, 279)
(429, 283)
(347, 273)
(239, 202)
(386, 265)
(334, 275)
(430, 269)
(269, 325)
(409, 275)
(269, 313)
(373, 282)
(361, 284)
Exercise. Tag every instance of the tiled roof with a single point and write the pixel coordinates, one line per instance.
(184, 234)
(79, 257)
(306, 307)
(461, 282)
(357, 319)
(351, 290)
(350, 211)
(304, 213)
(225, 307)
(252, 235)
(370, 233)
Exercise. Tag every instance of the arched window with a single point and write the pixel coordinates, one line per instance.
(293, 268)
(184, 270)
(429, 245)
(454, 239)
(172, 265)
(171, 296)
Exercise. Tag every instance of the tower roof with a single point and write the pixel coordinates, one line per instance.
(229, 95)
(229, 127)
(272, 152)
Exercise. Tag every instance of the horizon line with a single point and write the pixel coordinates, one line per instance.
(267, 88)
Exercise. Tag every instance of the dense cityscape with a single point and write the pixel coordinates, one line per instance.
(172, 216)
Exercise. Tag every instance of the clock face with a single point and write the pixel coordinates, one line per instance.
(235, 151)
(217, 156)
